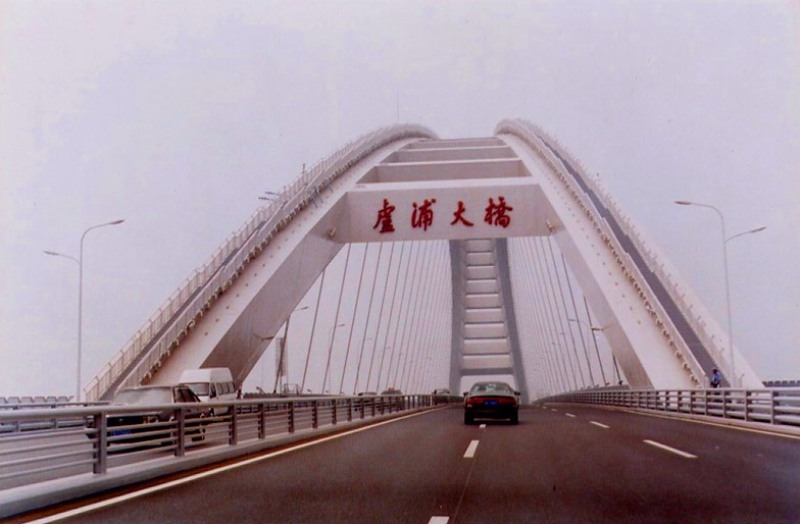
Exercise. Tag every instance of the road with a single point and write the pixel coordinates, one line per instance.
(574, 464)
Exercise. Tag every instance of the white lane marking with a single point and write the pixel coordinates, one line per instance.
(707, 423)
(570, 415)
(671, 450)
(196, 476)
(599, 425)
(439, 520)
(470, 453)
(553, 410)
(482, 426)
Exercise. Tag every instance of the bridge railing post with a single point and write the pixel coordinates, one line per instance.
(233, 433)
(291, 416)
(747, 400)
(262, 422)
(180, 419)
(772, 406)
(333, 415)
(725, 398)
(314, 414)
(101, 443)
(349, 409)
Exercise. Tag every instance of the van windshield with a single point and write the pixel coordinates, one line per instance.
(200, 388)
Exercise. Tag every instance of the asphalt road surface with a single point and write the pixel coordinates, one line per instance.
(573, 464)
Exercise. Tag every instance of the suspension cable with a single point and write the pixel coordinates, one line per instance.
(560, 294)
(336, 319)
(411, 344)
(369, 314)
(577, 318)
(353, 318)
(402, 314)
(429, 328)
(313, 330)
(552, 376)
(594, 337)
(410, 303)
(421, 330)
(549, 318)
(380, 317)
(391, 317)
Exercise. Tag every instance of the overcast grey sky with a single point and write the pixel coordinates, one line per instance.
(176, 115)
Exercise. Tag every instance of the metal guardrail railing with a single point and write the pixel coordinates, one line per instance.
(43, 444)
(778, 406)
(161, 332)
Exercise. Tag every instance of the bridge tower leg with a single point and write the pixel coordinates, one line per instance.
(485, 343)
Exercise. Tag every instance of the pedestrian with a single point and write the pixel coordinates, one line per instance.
(716, 378)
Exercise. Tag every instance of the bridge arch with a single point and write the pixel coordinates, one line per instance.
(230, 309)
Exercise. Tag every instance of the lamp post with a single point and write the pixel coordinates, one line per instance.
(282, 349)
(79, 260)
(725, 240)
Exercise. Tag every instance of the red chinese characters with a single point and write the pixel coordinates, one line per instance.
(385, 218)
(458, 216)
(497, 214)
(422, 217)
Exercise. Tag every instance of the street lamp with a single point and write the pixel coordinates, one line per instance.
(725, 240)
(284, 345)
(79, 260)
(270, 196)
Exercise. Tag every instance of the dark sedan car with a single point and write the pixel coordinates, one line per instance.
(155, 425)
(491, 400)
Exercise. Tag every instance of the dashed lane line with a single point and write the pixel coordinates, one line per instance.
(570, 415)
(471, 449)
(670, 449)
(439, 520)
(599, 425)
(482, 426)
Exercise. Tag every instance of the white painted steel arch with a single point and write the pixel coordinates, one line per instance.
(658, 330)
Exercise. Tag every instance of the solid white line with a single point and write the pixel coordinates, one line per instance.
(439, 520)
(570, 415)
(599, 425)
(470, 453)
(482, 426)
(166, 485)
(671, 450)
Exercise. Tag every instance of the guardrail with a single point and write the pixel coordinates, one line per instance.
(37, 445)
(771, 406)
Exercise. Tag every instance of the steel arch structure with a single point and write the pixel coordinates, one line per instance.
(402, 183)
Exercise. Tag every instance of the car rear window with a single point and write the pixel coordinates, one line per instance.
(144, 396)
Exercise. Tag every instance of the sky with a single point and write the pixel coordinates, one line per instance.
(175, 116)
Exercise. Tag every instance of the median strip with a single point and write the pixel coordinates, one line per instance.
(670, 449)
(470, 453)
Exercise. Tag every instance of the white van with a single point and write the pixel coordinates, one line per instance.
(211, 384)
